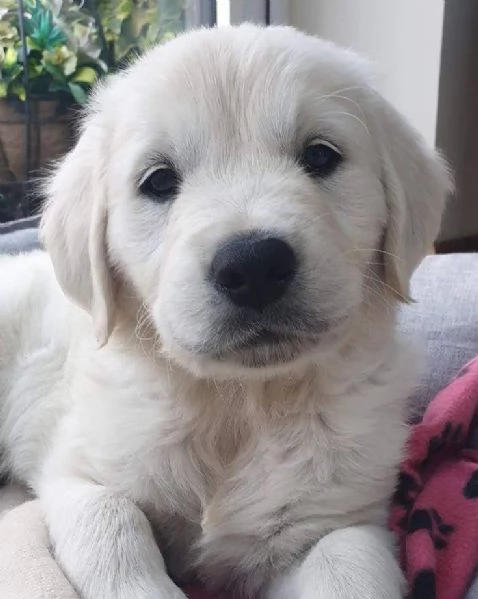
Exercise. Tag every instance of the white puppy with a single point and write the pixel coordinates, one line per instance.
(234, 229)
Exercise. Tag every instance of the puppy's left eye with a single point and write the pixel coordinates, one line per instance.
(161, 184)
(320, 158)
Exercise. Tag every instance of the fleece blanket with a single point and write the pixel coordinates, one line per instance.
(434, 511)
(435, 508)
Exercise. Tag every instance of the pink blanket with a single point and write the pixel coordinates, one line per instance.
(435, 508)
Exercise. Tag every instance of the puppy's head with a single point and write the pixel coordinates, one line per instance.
(250, 186)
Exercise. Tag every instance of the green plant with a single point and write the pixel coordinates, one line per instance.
(63, 51)
(70, 43)
(132, 26)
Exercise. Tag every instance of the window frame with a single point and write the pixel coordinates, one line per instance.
(266, 12)
(200, 13)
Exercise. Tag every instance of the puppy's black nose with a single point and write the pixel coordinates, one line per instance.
(253, 272)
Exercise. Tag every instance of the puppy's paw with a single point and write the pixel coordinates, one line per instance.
(104, 543)
(139, 588)
(351, 563)
(103, 582)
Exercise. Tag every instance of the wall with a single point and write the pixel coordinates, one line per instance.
(426, 52)
(457, 129)
(403, 37)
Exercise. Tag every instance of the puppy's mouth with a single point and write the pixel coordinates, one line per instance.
(261, 338)
(266, 347)
(266, 341)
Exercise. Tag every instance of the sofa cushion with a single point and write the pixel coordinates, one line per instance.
(445, 317)
(19, 236)
(31, 222)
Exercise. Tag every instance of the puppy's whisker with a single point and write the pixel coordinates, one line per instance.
(377, 250)
(378, 302)
(351, 101)
(386, 285)
(147, 342)
(380, 296)
(343, 90)
(352, 116)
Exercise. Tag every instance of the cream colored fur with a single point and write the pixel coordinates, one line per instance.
(149, 443)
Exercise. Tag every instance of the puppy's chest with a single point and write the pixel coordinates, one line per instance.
(230, 491)
(201, 467)
(221, 495)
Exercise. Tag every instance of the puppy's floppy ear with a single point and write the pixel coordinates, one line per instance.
(74, 227)
(416, 182)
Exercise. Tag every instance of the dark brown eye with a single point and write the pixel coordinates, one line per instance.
(320, 158)
(161, 184)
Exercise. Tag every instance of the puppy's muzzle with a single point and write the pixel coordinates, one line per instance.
(254, 271)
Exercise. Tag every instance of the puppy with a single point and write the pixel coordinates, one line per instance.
(202, 379)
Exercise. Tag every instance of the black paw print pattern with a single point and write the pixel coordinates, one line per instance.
(404, 496)
(471, 488)
(424, 585)
(431, 521)
(407, 489)
(451, 436)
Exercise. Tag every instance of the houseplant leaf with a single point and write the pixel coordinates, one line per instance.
(69, 65)
(18, 90)
(58, 86)
(86, 75)
(54, 70)
(8, 34)
(77, 92)
(10, 58)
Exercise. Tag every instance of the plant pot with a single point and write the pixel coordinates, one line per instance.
(51, 136)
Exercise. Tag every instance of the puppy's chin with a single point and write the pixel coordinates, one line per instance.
(253, 364)
(262, 354)
(257, 347)
(263, 357)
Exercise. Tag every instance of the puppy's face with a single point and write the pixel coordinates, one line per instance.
(246, 182)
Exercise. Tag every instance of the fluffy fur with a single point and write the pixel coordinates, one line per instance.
(133, 399)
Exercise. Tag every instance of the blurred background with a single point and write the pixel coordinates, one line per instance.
(53, 51)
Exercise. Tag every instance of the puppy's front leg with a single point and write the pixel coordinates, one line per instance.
(351, 563)
(104, 542)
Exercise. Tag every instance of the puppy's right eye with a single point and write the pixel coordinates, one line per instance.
(161, 184)
(320, 158)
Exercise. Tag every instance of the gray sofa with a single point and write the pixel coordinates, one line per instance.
(445, 315)
(19, 236)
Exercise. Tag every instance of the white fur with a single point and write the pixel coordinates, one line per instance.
(269, 481)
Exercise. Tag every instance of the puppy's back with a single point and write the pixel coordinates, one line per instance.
(35, 333)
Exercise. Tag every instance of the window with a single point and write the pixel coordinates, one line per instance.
(86, 40)
(48, 63)
(257, 11)
(135, 26)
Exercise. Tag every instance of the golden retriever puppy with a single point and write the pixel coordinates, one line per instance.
(201, 377)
